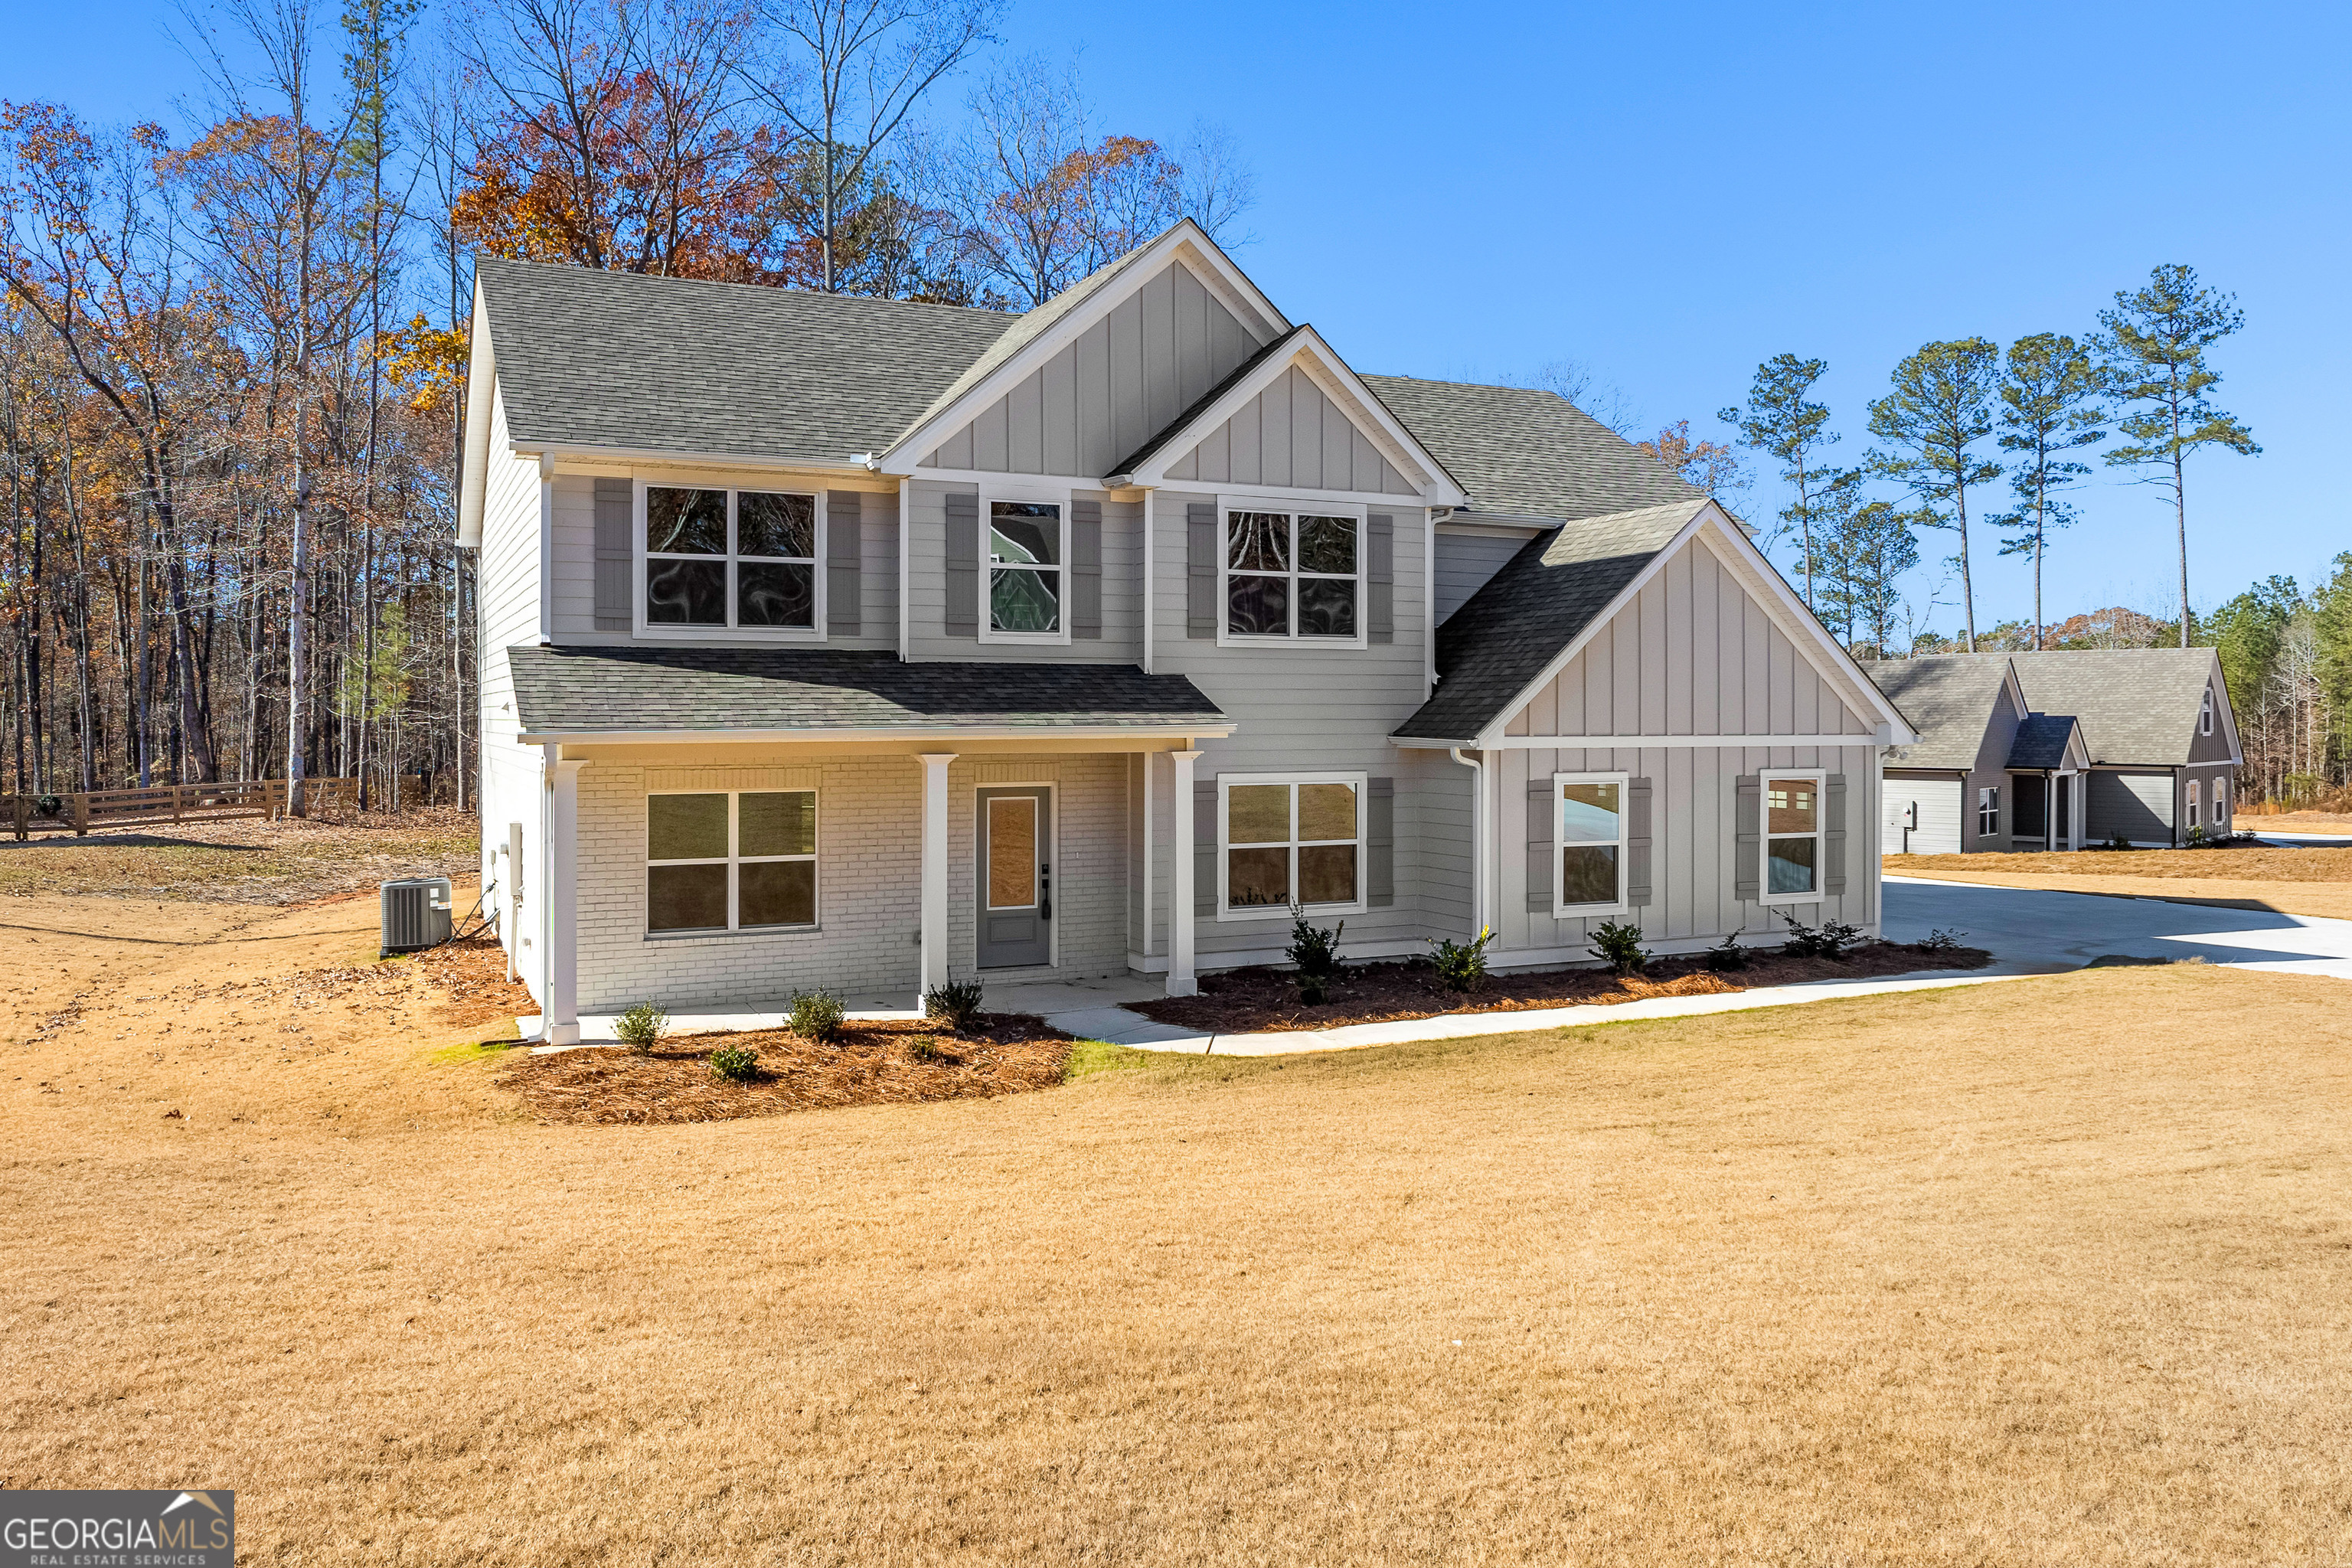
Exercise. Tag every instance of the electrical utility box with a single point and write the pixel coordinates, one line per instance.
(415, 914)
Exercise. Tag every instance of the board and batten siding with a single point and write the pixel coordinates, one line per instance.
(1466, 560)
(1291, 436)
(1121, 382)
(508, 612)
(927, 637)
(1693, 654)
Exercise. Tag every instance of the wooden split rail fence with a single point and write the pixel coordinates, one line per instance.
(31, 814)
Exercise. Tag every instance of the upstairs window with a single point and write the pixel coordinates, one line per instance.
(1295, 574)
(1026, 559)
(2205, 715)
(730, 559)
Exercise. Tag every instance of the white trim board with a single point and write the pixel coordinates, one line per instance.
(1637, 742)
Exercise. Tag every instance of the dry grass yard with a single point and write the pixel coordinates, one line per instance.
(242, 860)
(2299, 881)
(2042, 1271)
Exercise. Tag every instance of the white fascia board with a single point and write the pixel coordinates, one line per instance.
(924, 735)
(588, 459)
(481, 392)
(1184, 243)
(1339, 382)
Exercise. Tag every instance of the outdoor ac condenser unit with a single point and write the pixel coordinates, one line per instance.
(415, 914)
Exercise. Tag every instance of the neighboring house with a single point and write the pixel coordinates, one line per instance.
(2054, 751)
(858, 643)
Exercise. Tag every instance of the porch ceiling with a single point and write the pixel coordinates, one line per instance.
(602, 693)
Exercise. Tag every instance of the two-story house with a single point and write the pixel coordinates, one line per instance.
(860, 643)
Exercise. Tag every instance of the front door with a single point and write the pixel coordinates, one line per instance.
(1015, 830)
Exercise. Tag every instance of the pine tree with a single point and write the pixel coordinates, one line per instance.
(2154, 353)
(2051, 404)
(1780, 421)
(1941, 406)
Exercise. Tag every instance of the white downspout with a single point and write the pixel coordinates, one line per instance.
(1481, 875)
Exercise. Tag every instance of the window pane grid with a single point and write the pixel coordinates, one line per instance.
(1291, 575)
(1292, 843)
(1589, 827)
(1792, 835)
(1025, 568)
(762, 873)
(728, 558)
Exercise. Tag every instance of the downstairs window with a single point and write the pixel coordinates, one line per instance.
(722, 860)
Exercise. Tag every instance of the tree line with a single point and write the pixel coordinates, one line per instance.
(232, 358)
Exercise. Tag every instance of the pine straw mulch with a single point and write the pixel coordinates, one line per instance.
(871, 1064)
(1244, 1001)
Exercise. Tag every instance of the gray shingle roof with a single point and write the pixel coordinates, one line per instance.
(615, 359)
(1948, 699)
(2040, 740)
(612, 690)
(2139, 706)
(1527, 452)
(1494, 645)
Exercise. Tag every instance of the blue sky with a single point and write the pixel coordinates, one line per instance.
(1674, 194)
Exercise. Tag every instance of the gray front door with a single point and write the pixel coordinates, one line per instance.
(1015, 830)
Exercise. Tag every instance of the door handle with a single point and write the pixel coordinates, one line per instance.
(1044, 893)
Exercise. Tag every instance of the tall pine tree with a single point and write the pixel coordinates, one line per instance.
(2049, 405)
(1939, 408)
(1783, 423)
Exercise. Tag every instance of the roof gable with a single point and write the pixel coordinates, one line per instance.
(2139, 706)
(1950, 700)
(1528, 453)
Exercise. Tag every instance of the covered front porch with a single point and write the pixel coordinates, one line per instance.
(717, 869)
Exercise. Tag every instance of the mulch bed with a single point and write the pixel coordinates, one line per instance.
(1244, 1001)
(871, 1064)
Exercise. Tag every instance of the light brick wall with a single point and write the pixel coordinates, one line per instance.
(868, 884)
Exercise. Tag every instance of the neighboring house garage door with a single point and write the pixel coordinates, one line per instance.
(2136, 807)
(1922, 816)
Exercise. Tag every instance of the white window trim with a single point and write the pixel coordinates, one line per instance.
(1988, 800)
(1764, 834)
(640, 556)
(1561, 908)
(1360, 511)
(2205, 715)
(2195, 803)
(734, 861)
(1225, 911)
(2220, 813)
(1028, 495)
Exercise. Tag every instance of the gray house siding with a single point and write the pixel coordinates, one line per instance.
(2134, 806)
(1694, 654)
(1991, 772)
(1291, 436)
(1465, 559)
(1124, 379)
(1938, 797)
(927, 637)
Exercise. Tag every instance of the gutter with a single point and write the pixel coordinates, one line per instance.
(1172, 731)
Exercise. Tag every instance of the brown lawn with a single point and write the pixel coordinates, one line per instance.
(244, 860)
(2303, 881)
(2039, 1271)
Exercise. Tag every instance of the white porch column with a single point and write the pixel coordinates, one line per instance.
(935, 871)
(1181, 981)
(559, 1007)
(2082, 828)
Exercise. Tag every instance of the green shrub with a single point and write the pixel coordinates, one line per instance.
(1831, 939)
(925, 1048)
(817, 1015)
(1315, 950)
(642, 1026)
(1727, 955)
(955, 1002)
(1618, 943)
(736, 1064)
(1461, 965)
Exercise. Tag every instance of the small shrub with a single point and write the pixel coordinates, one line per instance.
(48, 806)
(2198, 838)
(955, 1002)
(1831, 939)
(1311, 991)
(1618, 943)
(1943, 939)
(926, 1048)
(736, 1064)
(1727, 955)
(2117, 841)
(642, 1026)
(1461, 965)
(817, 1015)
(1315, 950)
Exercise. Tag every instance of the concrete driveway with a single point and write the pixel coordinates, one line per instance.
(2028, 930)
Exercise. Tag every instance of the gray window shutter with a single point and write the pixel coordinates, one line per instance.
(1086, 568)
(1543, 843)
(1380, 578)
(1204, 847)
(1833, 834)
(1637, 842)
(1745, 883)
(963, 563)
(1200, 570)
(612, 572)
(1380, 842)
(844, 549)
